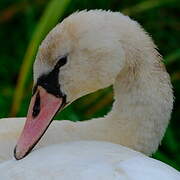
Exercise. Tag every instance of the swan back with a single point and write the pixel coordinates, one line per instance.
(86, 160)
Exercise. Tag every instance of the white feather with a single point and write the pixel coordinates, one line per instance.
(86, 160)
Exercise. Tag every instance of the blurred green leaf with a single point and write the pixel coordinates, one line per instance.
(145, 5)
(171, 58)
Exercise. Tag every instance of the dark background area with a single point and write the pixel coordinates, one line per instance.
(23, 24)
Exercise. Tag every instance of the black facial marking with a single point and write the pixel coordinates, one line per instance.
(50, 81)
(36, 108)
(62, 61)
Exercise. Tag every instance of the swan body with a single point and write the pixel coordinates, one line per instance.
(88, 51)
(10, 129)
(88, 160)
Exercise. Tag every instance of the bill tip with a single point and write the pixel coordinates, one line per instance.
(17, 154)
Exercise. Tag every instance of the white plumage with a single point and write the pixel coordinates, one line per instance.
(103, 48)
(87, 160)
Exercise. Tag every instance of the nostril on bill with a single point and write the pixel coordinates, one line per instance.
(36, 108)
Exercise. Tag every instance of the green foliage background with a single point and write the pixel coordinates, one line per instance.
(23, 24)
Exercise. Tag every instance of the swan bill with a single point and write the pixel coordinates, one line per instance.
(42, 109)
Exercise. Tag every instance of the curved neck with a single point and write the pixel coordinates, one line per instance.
(143, 101)
(142, 107)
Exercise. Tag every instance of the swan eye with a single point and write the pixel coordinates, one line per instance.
(61, 62)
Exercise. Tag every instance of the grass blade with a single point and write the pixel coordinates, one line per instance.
(145, 5)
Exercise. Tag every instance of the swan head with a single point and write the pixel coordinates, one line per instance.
(80, 55)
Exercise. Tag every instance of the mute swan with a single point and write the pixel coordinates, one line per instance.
(90, 50)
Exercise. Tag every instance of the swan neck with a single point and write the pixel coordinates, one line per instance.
(143, 102)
